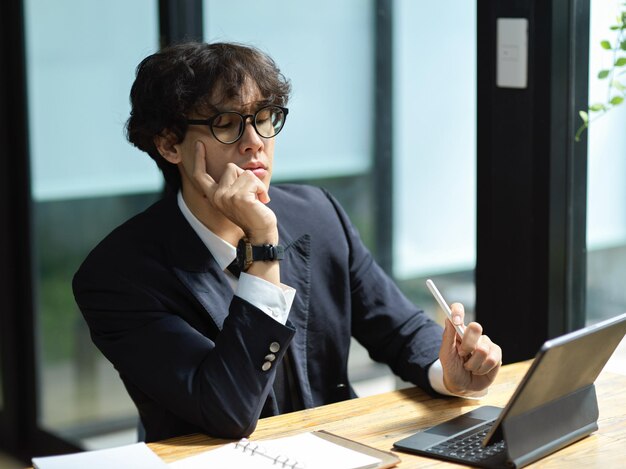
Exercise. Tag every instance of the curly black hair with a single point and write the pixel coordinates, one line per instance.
(180, 79)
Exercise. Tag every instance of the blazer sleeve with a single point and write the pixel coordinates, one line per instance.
(217, 385)
(392, 329)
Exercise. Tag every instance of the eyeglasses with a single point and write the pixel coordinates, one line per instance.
(227, 127)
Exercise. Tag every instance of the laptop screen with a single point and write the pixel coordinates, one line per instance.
(564, 365)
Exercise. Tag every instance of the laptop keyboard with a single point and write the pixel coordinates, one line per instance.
(468, 446)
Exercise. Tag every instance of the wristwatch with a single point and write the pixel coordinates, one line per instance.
(247, 253)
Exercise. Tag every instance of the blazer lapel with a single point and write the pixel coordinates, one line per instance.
(211, 289)
(196, 268)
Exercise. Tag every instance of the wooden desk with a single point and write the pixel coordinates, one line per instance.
(380, 420)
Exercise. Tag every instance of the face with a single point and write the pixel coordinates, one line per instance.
(250, 152)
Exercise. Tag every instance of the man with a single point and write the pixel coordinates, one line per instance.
(203, 349)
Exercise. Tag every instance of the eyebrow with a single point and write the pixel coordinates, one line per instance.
(252, 105)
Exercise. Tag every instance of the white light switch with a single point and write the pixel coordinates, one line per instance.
(512, 53)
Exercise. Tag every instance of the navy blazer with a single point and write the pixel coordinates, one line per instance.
(190, 353)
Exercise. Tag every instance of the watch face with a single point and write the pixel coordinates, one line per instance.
(241, 249)
(244, 254)
(247, 254)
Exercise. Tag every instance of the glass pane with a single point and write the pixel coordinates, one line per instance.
(606, 212)
(606, 186)
(86, 179)
(328, 131)
(79, 81)
(435, 149)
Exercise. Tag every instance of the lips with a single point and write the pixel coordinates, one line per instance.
(258, 169)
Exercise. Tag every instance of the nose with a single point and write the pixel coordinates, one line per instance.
(250, 140)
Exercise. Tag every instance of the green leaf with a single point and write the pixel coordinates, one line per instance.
(603, 74)
(618, 85)
(606, 45)
(597, 107)
(584, 116)
(615, 100)
(620, 62)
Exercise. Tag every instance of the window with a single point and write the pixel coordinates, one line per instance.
(86, 179)
(435, 150)
(328, 133)
(606, 199)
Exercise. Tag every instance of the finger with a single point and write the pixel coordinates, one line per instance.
(449, 338)
(261, 190)
(207, 183)
(493, 360)
(226, 188)
(471, 336)
(262, 193)
(475, 362)
(458, 314)
(248, 183)
(485, 358)
(488, 366)
(229, 177)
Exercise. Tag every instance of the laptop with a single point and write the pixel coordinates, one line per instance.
(553, 406)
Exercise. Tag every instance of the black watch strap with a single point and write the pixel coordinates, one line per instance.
(248, 253)
(268, 252)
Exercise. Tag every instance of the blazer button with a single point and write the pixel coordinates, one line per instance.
(270, 357)
(274, 347)
(266, 366)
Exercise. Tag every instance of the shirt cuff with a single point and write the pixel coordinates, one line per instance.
(435, 377)
(275, 301)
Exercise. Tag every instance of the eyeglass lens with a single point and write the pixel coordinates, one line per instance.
(228, 126)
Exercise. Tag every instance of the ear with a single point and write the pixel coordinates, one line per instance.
(166, 144)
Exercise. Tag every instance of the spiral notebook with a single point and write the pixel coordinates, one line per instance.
(313, 450)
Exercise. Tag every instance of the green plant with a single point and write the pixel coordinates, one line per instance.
(616, 85)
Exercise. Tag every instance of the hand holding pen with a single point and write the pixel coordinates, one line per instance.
(470, 360)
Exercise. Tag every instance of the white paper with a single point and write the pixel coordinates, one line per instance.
(135, 456)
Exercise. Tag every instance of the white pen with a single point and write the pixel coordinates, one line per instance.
(433, 289)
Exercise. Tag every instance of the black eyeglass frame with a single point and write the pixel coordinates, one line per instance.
(244, 117)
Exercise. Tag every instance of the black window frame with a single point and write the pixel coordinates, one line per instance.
(532, 178)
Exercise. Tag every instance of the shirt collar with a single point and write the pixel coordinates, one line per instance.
(223, 252)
